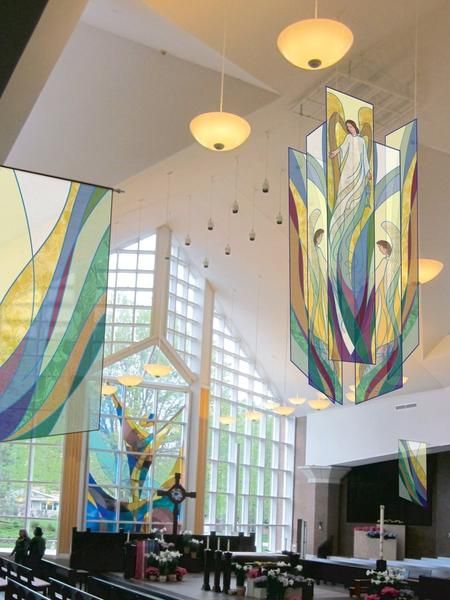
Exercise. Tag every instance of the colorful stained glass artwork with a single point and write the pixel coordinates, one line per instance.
(412, 463)
(351, 282)
(298, 272)
(55, 234)
(353, 251)
(136, 451)
(405, 140)
(308, 274)
(386, 374)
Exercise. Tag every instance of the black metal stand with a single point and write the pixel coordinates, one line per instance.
(381, 565)
(217, 570)
(208, 560)
(227, 571)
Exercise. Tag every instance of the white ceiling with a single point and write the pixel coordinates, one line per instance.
(116, 111)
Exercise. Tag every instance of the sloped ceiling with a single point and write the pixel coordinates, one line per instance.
(116, 111)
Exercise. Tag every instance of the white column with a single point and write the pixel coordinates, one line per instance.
(161, 282)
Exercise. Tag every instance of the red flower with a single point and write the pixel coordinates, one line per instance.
(152, 571)
(372, 597)
(253, 572)
(389, 592)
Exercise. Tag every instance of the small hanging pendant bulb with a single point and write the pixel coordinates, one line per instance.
(252, 235)
(187, 240)
(235, 208)
(210, 224)
(205, 262)
(227, 250)
(279, 219)
(265, 186)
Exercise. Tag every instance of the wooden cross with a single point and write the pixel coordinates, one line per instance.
(177, 495)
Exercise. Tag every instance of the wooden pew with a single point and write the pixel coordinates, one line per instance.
(55, 570)
(359, 588)
(23, 575)
(17, 591)
(110, 590)
(63, 591)
(433, 588)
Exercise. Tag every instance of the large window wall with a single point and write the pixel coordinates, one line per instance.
(250, 462)
(30, 480)
(137, 450)
(184, 313)
(130, 294)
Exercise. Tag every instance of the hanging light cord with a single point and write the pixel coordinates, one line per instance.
(169, 174)
(416, 53)
(280, 189)
(189, 213)
(236, 177)
(224, 45)
(316, 9)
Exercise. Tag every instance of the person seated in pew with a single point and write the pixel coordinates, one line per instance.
(36, 551)
(20, 550)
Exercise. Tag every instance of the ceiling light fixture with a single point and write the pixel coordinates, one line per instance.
(284, 411)
(158, 369)
(108, 390)
(129, 380)
(320, 403)
(220, 131)
(253, 415)
(226, 420)
(429, 269)
(297, 400)
(271, 404)
(315, 44)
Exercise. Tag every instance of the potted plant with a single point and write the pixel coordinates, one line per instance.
(180, 572)
(388, 585)
(195, 547)
(163, 569)
(186, 538)
(152, 573)
(241, 572)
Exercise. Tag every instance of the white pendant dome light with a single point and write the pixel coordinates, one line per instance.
(220, 131)
(315, 44)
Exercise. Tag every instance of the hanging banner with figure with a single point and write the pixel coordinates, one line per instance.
(54, 243)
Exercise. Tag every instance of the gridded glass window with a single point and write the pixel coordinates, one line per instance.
(250, 471)
(130, 294)
(30, 481)
(185, 308)
(137, 450)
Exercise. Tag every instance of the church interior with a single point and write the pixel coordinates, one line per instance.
(224, 317)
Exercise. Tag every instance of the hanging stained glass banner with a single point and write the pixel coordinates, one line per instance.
(412, 464)
(353, 251)
(55, 233)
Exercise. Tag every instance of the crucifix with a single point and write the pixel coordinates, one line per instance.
(177, 495)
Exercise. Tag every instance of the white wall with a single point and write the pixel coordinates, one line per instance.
(342, 435)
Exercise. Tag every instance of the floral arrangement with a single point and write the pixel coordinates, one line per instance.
(278, 578)
(195, 546)
(241, 572)
(180, 572)
(165, 565)
(158, 533)
(375, 534)
(388, 585)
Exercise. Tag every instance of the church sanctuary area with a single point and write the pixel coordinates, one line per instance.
(224, 299)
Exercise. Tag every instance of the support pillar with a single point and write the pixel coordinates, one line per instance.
(71, 507)
(321, 485)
